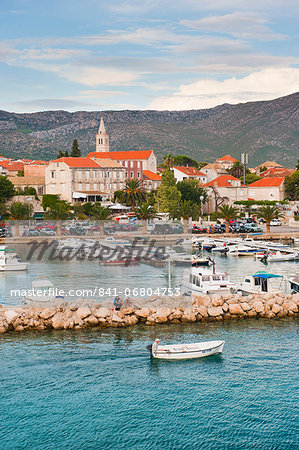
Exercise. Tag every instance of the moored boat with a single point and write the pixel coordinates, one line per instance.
(9, 261)
(186, 351)
(294, 283)
(260, 282)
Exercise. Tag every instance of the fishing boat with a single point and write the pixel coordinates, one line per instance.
(202, 261)
(185, 351)
(294, 282)
(203, 280)
(10, 261)
(260, 282)
(42, 292)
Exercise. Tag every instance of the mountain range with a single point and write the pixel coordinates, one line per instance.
(266, 130)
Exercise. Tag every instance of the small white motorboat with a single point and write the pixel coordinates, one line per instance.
(294, 283)
(261, 282)
(42, 292)
(185, 351)
(9, 261)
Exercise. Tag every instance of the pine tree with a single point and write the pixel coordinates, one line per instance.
(76, 152)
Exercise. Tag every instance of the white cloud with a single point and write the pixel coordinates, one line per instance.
(263, 85)
(240, 24)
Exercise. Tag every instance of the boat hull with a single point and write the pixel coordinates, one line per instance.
(166, 353)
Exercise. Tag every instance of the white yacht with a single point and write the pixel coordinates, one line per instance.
(202, 280)
(294, 283)
(9, 261)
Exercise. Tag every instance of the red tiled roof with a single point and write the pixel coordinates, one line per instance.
(268, 182)
(78, 162)
(12, 166)
(277, 172)
(227, 158)
(151, 175)
(191, 171)
(134, 154)
(39, 162)
(222, 181)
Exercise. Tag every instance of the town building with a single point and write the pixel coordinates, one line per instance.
(185, 173)
(151, 180)
(267, 165)
(35, 181)
(102, 138)
(84, 179)
(277, 172)
(267, 188)
(212, 171)
(226, 162)
(225, 189)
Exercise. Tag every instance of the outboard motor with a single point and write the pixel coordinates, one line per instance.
(264, 259)
(149, 347)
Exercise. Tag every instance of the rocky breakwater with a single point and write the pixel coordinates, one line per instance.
(202, 308)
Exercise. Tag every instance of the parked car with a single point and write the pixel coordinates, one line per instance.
(275, 223)
(30, 232)
(47, 232)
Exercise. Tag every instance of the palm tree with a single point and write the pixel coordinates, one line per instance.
(144, 212)
(269, 213)
(58, 211)
(228, 213)
(183, 210)
(132, 193)
(20, 211)
(101, 213)
(168, 161)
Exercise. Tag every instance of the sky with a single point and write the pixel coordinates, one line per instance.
(151, 54)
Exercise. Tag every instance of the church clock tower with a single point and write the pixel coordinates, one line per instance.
(102, 139)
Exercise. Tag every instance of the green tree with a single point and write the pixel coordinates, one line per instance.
(183, 160)
(168, 161)
(144, 212)
(292, 186)
(133, 193)
(7, 189)
(76, 152)
(250, 178)
(228, 213)
(191, 190)
(49, 201)
(3, 212)
(20, 211)
(62, 154)
(269, 213)
(101, 213)
(184, 210)
(59, 211)
(237, 170)
(29, 190)
(168, 195)
(21, 173)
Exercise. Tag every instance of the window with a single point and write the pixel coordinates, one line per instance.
(62, 174)
(52, 174)
(95, 186)
(126, 174)
(132, 175)
(102, 186)
(138, 174)
(94, 173)
(80, 186)
(114, 174)
(79, 174)
(52, 187)
(87, 186)
(63, 186)
(87, 173)
(120, 174)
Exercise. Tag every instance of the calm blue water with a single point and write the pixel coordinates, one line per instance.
(99, 389)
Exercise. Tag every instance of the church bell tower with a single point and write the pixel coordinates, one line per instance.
(102, 139)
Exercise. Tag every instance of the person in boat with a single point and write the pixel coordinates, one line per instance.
(117, 303)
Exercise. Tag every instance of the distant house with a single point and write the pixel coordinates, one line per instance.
(185, 173)
(11, 168)
(37, 182)
(267, 165)
(212, 171)
(151, 180)
(274, 172)
(225, 187)
(267, 188)
(226, 161)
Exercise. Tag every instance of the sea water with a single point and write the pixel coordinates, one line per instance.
(99, 388)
